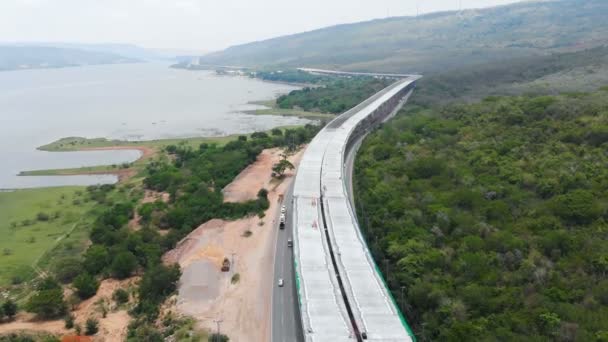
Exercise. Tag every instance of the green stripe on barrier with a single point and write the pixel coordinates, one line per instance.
(390, 295)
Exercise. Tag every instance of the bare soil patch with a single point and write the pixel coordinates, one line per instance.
(206, 293)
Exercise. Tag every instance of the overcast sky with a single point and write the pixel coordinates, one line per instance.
(199, 25)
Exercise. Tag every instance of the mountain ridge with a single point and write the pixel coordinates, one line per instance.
(433, 42)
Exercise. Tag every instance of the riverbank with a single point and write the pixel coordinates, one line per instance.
(149, 149)
(273, 109)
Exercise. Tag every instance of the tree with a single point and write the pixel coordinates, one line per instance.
(279, 168)
(123, 265)
(259, 135)
(48, 301)
(9, 308)
(144, 332)
(96, 259)
(67, 269)
(86, 285)
(579, 206)
(215, 337)
(69, 321)
(157, 283)
(42, 216)
(91, 327)
(120, 296)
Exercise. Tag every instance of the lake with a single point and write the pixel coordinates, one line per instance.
(129, 102)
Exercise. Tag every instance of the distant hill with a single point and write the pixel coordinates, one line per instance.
(580, 71)
(125, 50)
(35, 57)
(434, 42)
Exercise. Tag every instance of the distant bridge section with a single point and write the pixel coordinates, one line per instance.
(349, 73)
(341, 293)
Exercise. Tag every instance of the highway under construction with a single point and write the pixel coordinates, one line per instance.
(341, 295)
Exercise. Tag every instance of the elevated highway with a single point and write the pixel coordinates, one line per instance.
(341, 294)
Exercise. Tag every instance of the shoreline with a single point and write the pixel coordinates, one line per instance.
(272, 109)
(147, 148)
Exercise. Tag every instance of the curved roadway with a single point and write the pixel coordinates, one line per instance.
(332, 289)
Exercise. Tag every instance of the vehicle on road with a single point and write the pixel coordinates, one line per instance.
(283, 209)
(289, 243)
(280, 282)
(282, 221)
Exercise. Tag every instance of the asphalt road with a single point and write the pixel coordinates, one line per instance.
(286, 323)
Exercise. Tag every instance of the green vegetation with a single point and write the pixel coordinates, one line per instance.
(273, 109)
(218, 338)
(86, 286)
(76, 171)
(121, 296)
(28, 337)
(47, 302)
(492, 216)
(434, 42)
(335, 97)
(91, 326)
(278, 169)
(292, 76)
(39, 224)
(539, 75)
(194, 179)
(79, 143)
(8, 310)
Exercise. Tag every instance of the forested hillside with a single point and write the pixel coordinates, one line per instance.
(584, 70)
(434, 42)
(335, 96)
(493, 217)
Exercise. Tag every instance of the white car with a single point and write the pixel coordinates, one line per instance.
(280, 282)
(283, 209)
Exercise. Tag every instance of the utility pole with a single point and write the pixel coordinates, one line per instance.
(218, 322)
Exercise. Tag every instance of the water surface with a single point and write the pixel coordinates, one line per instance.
(130, 102)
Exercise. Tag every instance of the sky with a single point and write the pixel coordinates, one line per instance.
(195, 25)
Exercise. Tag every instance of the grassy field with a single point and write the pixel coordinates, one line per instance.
(28, 235)
(71, 171)
(79, 143)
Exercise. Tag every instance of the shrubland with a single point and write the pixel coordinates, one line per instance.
(334, 96)
(193, 179)
(492, 216)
